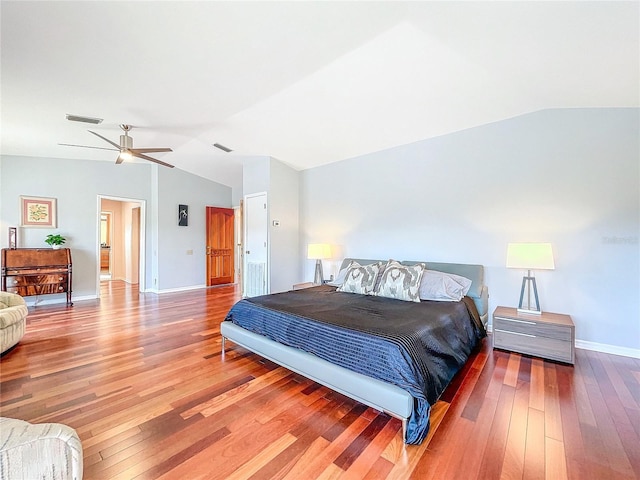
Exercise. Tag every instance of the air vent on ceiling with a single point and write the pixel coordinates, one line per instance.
(80, 118)
(222, 147)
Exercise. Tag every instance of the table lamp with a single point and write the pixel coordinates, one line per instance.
(318, 252)
(530, 256)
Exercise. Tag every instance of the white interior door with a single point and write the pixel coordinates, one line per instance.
(256, 245)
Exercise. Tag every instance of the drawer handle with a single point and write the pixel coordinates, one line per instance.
(517, 321)
(515, 333)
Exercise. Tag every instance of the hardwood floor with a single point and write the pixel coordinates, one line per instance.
(142, 380)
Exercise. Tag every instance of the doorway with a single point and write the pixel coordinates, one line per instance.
(106, 236)
(220, 246)
(256, 245)
(121, 247)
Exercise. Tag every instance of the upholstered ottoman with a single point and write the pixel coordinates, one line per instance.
(13, 320)
(45, 451)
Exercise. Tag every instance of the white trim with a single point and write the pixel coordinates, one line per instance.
(173, 290)
(611, 349)
(34, 301)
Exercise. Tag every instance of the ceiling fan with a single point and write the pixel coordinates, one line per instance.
(126, 148)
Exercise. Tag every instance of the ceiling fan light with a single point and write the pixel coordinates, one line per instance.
(126, 155)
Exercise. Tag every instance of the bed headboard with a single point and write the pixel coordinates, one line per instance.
(478, 290)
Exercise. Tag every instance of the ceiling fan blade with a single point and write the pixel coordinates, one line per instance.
(140, 155)
(150, 150)
(88, 146)
(119, 160)
(106, 139)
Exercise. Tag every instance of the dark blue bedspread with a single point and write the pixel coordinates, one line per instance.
(417, 346)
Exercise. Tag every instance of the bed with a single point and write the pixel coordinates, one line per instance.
(395, 356)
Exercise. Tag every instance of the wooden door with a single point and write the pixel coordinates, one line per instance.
(220, 256)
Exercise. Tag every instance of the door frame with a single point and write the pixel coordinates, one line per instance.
(142, 272)
(239, 245)
(110, 227)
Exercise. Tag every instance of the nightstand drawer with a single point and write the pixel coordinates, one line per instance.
(531, 327)
(546, 347)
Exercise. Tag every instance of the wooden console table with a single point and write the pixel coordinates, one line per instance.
(37, 271)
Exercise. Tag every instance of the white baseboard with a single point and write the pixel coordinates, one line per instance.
(612, 349)
(34, 302)
(173, 290)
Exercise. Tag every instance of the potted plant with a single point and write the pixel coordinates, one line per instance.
(55, 241)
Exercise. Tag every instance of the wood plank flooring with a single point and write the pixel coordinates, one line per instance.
(143, 381)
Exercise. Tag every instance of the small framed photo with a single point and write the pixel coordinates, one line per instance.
(13, 238)
(183, 215)
(38, 212)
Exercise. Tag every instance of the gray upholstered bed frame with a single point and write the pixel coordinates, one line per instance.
(375, 393)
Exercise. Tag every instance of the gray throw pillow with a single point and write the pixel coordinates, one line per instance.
(360, 278)
(401, 282)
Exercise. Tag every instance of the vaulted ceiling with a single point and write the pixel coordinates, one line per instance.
(308, 83)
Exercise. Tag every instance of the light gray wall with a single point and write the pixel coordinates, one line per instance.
(566, 176)
(178, 268)
(255, 175)
(236, 196)
(153, 234)
(281, 183)
(77, 183)
(284, 238)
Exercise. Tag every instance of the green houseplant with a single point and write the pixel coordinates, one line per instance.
(55, 240)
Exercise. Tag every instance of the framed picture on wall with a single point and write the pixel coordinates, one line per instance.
(183, 215)
(38, 212)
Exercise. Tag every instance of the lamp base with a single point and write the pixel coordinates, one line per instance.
(528, 281)
(319, 276)
(529, 312)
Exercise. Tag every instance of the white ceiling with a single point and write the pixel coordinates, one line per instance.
(308, 83)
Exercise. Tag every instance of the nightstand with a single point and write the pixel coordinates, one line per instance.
(300, 286)
(548, 335)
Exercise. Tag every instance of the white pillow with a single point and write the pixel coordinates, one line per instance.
(464, 282)
(443, 286)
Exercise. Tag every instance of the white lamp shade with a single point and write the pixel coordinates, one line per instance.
(318, 251)
(530, 256)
